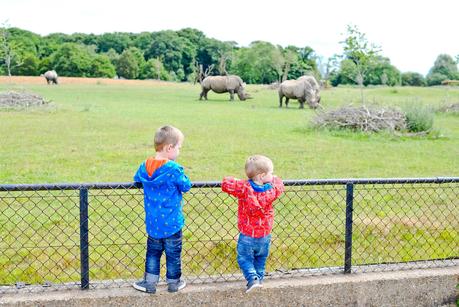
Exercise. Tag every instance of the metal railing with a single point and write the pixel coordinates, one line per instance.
(91, 235)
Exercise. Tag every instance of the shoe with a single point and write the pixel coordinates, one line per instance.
(176, 285)
(144, 286)
(255, 283)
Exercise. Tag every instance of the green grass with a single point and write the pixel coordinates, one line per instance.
(100, 133)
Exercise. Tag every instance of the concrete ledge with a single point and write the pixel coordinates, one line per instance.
(426, 287)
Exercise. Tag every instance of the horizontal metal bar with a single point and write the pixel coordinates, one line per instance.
(216, 184)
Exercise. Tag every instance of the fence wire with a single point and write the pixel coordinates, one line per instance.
(391, 224)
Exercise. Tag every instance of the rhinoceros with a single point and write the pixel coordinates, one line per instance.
(301, 90)
(223, 84)
(311, 81)
(51, 77)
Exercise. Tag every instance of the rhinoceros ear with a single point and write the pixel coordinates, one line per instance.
(243, 84)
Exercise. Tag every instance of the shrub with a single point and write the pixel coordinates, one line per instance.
(436, 79)
(419, 119)
(413, 79)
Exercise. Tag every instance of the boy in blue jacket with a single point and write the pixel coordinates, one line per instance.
(163, 182)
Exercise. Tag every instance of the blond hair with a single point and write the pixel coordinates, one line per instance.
(166, 135)
(258, 164)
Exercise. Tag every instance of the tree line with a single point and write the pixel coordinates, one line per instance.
(178, 55)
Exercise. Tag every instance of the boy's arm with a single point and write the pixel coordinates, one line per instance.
(137, 174)
(182, 181)
(233, 186)
(278, 186)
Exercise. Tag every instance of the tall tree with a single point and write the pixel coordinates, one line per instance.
(445, 67)
(360, 53)
(8, 49)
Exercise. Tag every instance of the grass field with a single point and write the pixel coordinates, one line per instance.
(100, 130)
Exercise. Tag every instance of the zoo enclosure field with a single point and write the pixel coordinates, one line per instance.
(99, 130)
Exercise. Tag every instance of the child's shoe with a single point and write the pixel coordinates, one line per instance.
(255, 283)
(176, 285)
(147, 284)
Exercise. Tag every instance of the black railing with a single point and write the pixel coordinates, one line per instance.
(93, 234)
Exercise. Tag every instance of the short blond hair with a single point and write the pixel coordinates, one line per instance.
(166, 135)
(258, 164)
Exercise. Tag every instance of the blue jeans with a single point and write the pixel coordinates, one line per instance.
(251, 256)
(172, 246)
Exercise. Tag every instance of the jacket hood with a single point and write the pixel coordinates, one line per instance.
(160, 176)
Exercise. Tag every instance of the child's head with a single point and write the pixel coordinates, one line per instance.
(259, 167)
(168, 141)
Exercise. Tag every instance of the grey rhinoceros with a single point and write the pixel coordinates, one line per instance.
(51, 77)
(223, 84)
(315, 85)
(302, 90)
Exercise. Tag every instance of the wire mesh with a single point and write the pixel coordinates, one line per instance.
(397, 224)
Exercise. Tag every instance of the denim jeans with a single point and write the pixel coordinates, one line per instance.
(251, 256)
(172, 246)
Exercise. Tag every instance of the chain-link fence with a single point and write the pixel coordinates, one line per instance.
(92, 235)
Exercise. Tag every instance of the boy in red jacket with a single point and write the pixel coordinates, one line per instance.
(255, 215)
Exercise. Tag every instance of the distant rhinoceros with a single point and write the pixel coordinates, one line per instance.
(51, 77)
(301, 90)
(223, 84)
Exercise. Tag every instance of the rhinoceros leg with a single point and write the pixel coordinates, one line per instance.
(203, 94)
(301, 101)
(231, 92)
(286, 101)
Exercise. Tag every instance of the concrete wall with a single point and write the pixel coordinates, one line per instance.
(427, 287)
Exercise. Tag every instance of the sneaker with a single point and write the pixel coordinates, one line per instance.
(176, 286)
(255, 283)
(144, 286)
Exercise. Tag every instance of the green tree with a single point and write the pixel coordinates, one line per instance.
(142, 40)
(29, 67)
(102, 67)
(176, 51)
(117, 41)
(413, 79)
(362, 54)
(381, 71)
(127, 65)
(9, 50)
(154, 69)
(72, 60)
(112, 55)
(262, 62)
(445, 67)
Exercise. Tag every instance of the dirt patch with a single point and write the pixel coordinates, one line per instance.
(74, 80)
(20, 100)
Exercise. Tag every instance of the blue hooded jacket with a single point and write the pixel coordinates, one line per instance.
(163, 198)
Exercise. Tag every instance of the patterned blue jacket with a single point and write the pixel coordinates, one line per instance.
(163, 198)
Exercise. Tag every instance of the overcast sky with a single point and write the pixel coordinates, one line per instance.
(411, 33)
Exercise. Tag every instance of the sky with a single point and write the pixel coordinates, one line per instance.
(410, 33)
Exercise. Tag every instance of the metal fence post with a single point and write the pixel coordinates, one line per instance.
(348, 235)
(84, 241)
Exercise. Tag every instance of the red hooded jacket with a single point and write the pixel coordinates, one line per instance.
(255, 209)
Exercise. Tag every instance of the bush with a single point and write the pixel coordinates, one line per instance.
(436, 79)
(413, 79)
(419, 119)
